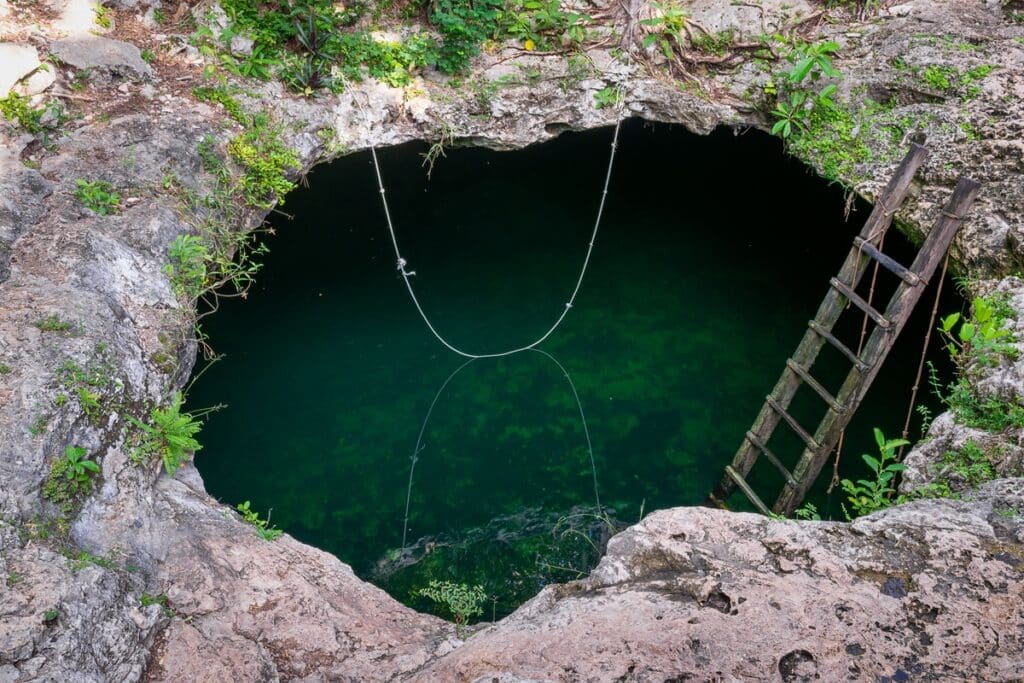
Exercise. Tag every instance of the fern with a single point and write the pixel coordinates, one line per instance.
(170, 434)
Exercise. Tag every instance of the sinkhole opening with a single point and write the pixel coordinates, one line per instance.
(363, 436)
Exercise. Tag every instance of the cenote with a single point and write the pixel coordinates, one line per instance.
(713, 254)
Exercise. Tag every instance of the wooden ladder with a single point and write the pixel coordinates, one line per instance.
(841, 294)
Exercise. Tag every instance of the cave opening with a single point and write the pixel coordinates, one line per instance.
(363, 436)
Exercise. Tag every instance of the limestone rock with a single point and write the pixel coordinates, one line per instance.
(929, 590)
(16, 62)
(241, 46)
(47, 604)
(687, 592)
(103, 56)
(38, 82)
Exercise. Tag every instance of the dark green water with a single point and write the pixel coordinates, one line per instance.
(713, 254)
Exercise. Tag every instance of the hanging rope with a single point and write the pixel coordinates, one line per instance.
(406, 274)
(924, 353)
(426, 420)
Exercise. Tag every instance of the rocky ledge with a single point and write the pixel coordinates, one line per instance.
(151, 578)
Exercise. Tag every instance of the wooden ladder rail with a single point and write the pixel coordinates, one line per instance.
(852, 270)
(878, 345)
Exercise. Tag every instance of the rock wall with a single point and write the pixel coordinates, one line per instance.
(929, 590)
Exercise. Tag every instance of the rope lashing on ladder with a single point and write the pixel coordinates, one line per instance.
(407, 274)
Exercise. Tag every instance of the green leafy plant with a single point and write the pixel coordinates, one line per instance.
(462, 601)
(668, 28)
(78, 467)
(870, 495)
(38, 426)
(799, 96)
(90, 402)
(147, 599)
(187, 268)
(54, 323)
(463, 26)
(980, 338)
(970, 463)
(84, 558)
(5, 369)
(812, 61)
(266, 160)
(939, 77)
(19, 110)
(70, 478)
(170, 435)
(98, 196)
(263, 527)
(977, 341)
(534, 22)
(609, 96)
(808, 511)
(103, 16)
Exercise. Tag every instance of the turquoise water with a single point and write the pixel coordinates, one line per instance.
(713, 254)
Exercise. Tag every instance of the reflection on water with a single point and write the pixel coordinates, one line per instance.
(693, 300)
(421, 444)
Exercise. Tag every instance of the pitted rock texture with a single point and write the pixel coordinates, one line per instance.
(927, 591)
(111, 57)
(245, 609)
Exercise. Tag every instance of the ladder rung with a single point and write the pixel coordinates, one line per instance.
(840, 346)
(791, 421)
(747, 491)
(813, 384)
(752, 438)
(855, 298)
(888, 263)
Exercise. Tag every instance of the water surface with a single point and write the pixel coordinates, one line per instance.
(713, 254)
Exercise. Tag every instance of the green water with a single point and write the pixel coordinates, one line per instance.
(713, 254)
